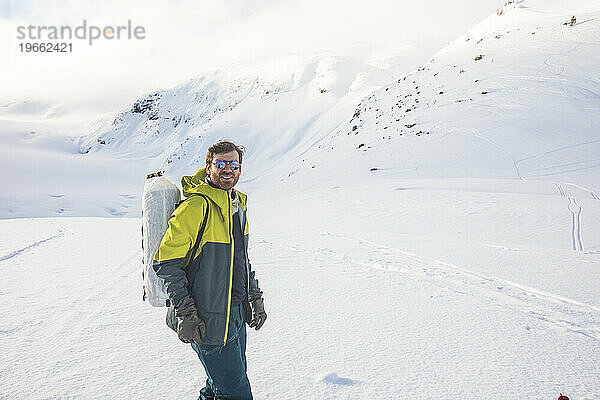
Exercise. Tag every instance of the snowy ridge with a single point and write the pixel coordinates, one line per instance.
(177, 125)
(474, 109)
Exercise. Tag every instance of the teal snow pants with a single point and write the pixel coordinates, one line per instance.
(226, 366)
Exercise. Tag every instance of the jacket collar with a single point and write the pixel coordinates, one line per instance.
(195, 184)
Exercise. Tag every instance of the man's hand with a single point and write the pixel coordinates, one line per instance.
(190, 328)
(259, 316)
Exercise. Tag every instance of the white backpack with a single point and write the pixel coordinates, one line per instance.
(159, 199)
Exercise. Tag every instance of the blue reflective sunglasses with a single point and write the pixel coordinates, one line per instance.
(220, 164)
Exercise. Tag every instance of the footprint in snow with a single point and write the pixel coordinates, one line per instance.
(8, 331)
(115, 212)
(334, 379)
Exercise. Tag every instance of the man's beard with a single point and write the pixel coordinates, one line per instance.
(224, 184)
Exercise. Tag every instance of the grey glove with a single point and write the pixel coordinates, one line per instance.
(259, 316)
(190, 328)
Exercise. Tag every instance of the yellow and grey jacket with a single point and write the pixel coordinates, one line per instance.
(207, 275)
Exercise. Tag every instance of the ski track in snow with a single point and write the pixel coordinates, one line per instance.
(31, 246)
(575, 210)
(558, 311)
(590, 191)
(545, 153)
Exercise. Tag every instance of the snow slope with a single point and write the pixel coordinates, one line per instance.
(352, 313)
(528, 109)
(456, 258)
(43, 174)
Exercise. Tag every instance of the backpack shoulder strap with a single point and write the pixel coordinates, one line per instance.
(192, 252)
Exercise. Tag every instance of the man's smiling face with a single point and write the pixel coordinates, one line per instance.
(227, 177)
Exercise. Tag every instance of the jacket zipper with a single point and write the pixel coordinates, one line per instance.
(231, 240)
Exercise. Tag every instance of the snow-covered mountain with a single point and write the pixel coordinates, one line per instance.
(473, 110)
(517, 96)
(271, 107)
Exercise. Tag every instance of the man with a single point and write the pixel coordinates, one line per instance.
(203, 259)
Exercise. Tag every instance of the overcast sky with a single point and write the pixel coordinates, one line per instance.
(184, 38)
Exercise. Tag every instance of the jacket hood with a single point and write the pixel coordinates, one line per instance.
(195, 185)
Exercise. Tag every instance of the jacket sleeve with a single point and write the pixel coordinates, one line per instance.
(254, 291)
(253, 288)
(179, 238)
